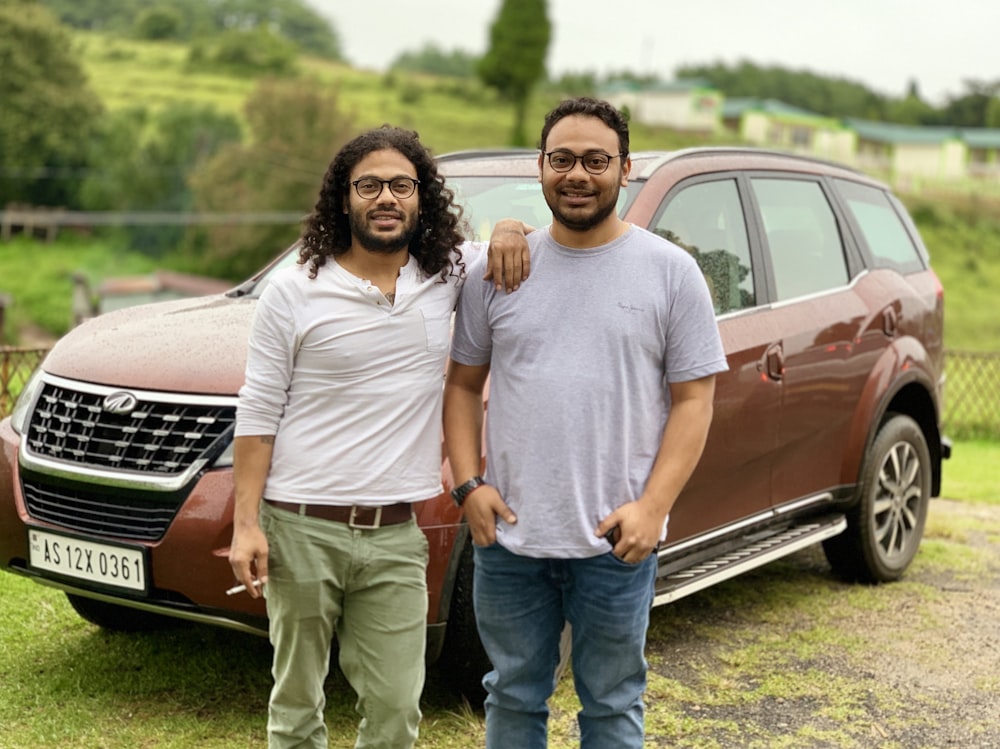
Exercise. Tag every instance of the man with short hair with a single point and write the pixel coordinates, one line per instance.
(602, 378)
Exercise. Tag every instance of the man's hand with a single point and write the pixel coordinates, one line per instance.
(247, 556)
(635, 530)
(482, 507)
(508, 260)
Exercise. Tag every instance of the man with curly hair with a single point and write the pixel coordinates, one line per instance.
(338, 433)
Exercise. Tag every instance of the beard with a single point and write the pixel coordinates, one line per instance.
(577, 220)
(382, 242)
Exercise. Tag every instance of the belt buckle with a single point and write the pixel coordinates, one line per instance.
(352, 521)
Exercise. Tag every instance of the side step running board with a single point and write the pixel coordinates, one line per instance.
(758, 550)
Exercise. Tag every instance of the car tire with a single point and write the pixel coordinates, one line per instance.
(463, 661)
(886, 523)
(116, 618)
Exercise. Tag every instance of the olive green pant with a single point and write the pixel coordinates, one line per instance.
(369, 588)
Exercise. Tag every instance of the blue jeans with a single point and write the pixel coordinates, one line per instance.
(521, 606)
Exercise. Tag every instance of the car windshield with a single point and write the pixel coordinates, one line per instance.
(484, 201)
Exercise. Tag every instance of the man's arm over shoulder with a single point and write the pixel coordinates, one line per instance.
(508, 257)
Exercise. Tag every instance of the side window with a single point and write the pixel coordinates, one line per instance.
(807, 254)
(706, 219)
(883, 230)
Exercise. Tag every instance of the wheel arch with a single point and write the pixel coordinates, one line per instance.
(901, 382)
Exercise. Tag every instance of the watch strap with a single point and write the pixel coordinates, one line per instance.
(459, 493)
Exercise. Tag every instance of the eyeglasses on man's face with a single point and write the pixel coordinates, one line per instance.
(595, 162)
(369, 188)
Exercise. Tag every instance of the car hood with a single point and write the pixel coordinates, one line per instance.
(190, 345)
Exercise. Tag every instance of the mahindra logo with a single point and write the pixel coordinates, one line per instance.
(121, 402)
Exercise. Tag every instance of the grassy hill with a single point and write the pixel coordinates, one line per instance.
(449, 114)
(963, 238)
(963, 235)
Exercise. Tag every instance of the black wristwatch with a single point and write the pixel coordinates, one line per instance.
(459, 493)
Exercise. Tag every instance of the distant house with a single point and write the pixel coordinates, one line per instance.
(774, 124)
(894, 152)
(684, 105)
(905, 151)
(983, 146)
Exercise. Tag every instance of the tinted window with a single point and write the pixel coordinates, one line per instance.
(807, 254)
(706, 219)
(486, 200)
(883, 231)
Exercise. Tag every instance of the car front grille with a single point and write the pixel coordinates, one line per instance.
(114, 462)
(143, 516)
(161, 437)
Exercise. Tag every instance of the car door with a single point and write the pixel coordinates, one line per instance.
(705, 216)
(827, 335)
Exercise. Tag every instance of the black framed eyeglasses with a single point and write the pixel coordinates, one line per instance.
(595, 162)
(369, 188)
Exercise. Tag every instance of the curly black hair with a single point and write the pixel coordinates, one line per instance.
(327, 232)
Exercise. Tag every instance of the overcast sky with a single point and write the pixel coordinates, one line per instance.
(881, 43)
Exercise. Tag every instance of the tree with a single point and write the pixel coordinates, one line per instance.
(971, 109)
(252, 52)
(912, 109)
(296, 127)
(833, 97)
(159, 23)
(515, 61)
(432, 59)
(146, 163)
(294, 20)
(47, 110)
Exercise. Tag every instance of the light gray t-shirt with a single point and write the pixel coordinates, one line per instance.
(581, 359)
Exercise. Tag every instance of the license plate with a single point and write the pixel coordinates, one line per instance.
(106, 564)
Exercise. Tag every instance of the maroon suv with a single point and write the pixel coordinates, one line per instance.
(115, 467)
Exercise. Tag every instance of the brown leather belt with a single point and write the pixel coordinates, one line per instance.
(356, 516)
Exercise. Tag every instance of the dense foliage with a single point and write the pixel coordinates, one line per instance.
(279, 168)
(247, 52)
(515, 60)
(979, 106)
(146, 162)
(433, 60)
(47, 110)
(187, 20)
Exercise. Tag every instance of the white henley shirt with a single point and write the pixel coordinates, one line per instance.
(349, 384)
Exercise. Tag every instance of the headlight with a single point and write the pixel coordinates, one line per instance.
(19, 416)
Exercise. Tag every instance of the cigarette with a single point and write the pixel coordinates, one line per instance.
(240, 588)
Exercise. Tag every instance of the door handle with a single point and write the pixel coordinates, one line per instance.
(889, 322)
(772, 364)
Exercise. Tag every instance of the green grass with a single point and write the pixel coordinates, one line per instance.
(965, 251)
(38, 277)
(127, 73)
(772, 638)
(450, 115)
(972, 473)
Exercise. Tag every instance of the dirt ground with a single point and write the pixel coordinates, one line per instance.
(787, 656)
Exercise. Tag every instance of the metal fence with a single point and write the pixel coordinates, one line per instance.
(16, 366)
(971, 401)
(972, 395)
